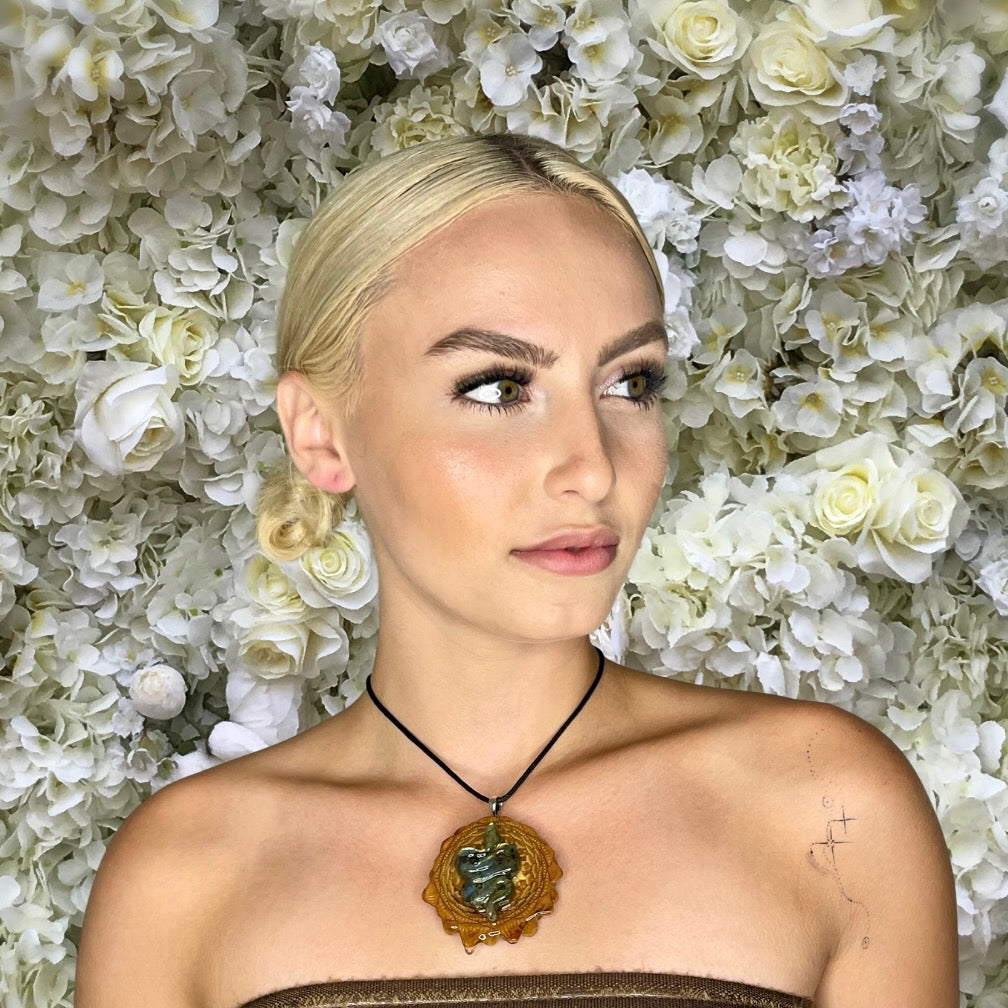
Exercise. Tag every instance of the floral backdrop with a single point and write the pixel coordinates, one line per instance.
(825, 183)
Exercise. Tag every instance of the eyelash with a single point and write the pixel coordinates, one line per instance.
(654, 377)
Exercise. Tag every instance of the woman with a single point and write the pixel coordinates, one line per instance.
(471, 342)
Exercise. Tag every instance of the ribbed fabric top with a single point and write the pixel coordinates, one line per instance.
(573, 990)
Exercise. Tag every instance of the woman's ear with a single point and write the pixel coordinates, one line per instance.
(312, 433)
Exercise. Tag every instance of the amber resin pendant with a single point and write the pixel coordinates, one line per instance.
(493, 879)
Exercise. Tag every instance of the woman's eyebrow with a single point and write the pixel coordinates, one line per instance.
(503, 345)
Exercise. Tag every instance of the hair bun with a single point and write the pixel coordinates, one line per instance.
(294, 515)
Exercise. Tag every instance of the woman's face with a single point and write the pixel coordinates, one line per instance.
(468, 449)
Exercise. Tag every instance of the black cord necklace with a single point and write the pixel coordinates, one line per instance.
(494, 877)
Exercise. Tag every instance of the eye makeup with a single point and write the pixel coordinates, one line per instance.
(651, 375)
(520, 377)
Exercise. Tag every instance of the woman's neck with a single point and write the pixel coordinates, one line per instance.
(484, 706)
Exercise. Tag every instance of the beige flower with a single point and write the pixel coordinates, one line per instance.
(181, 337)
(786, 67)
(704, 37)
(846, 499)
(790, 166)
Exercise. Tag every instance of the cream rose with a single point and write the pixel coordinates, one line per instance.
(272, 589)
(183, 338)
(273, 648)
(786, 67)
(704, 37)
(126, 420)
(896, 511)
(919, 516)
(340, 573)
(846, 499)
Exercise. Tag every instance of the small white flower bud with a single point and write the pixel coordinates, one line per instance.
(158, 691)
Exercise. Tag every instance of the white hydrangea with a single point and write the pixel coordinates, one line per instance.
(665, 213)
(507, 68)
(983, 221)
(67, 281)
(544, 20)
(598, 42)
(14, 570)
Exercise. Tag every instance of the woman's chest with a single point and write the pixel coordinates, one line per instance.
(644, 885)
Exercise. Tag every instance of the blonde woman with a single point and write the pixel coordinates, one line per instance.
(471, 343)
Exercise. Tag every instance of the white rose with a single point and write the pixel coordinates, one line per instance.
(272, 589)
(704, 37)
(787, 68)
(184, 339)
(126, 420)
(267, 711)
(273, 648)
(844, 23)
(158, 691)
(846, 499)
(228, 741)
(918, 517)
(340, 573)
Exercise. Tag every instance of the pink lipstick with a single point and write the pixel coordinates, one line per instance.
(578, 552)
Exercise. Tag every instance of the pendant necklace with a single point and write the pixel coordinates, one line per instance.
(494, 877)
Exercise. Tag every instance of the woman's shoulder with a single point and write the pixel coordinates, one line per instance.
(795, 739)
(149, 900)
(833, 807)
(802, 770)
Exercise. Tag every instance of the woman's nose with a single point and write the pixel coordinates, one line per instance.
(581, 459)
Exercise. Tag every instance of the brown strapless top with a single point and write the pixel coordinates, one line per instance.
(569, 990)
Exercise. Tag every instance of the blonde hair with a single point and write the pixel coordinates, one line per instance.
(344, 263)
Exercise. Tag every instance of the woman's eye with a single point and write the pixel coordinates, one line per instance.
(500, 392)
(641, 385)
(494, 390)
(632, 387)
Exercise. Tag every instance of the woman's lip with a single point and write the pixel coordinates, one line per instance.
(590, 560)
(576, 539)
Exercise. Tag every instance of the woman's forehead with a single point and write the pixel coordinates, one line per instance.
(533, 222)
(535, 245)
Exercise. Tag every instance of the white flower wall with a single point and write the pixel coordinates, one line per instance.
(826, 186)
